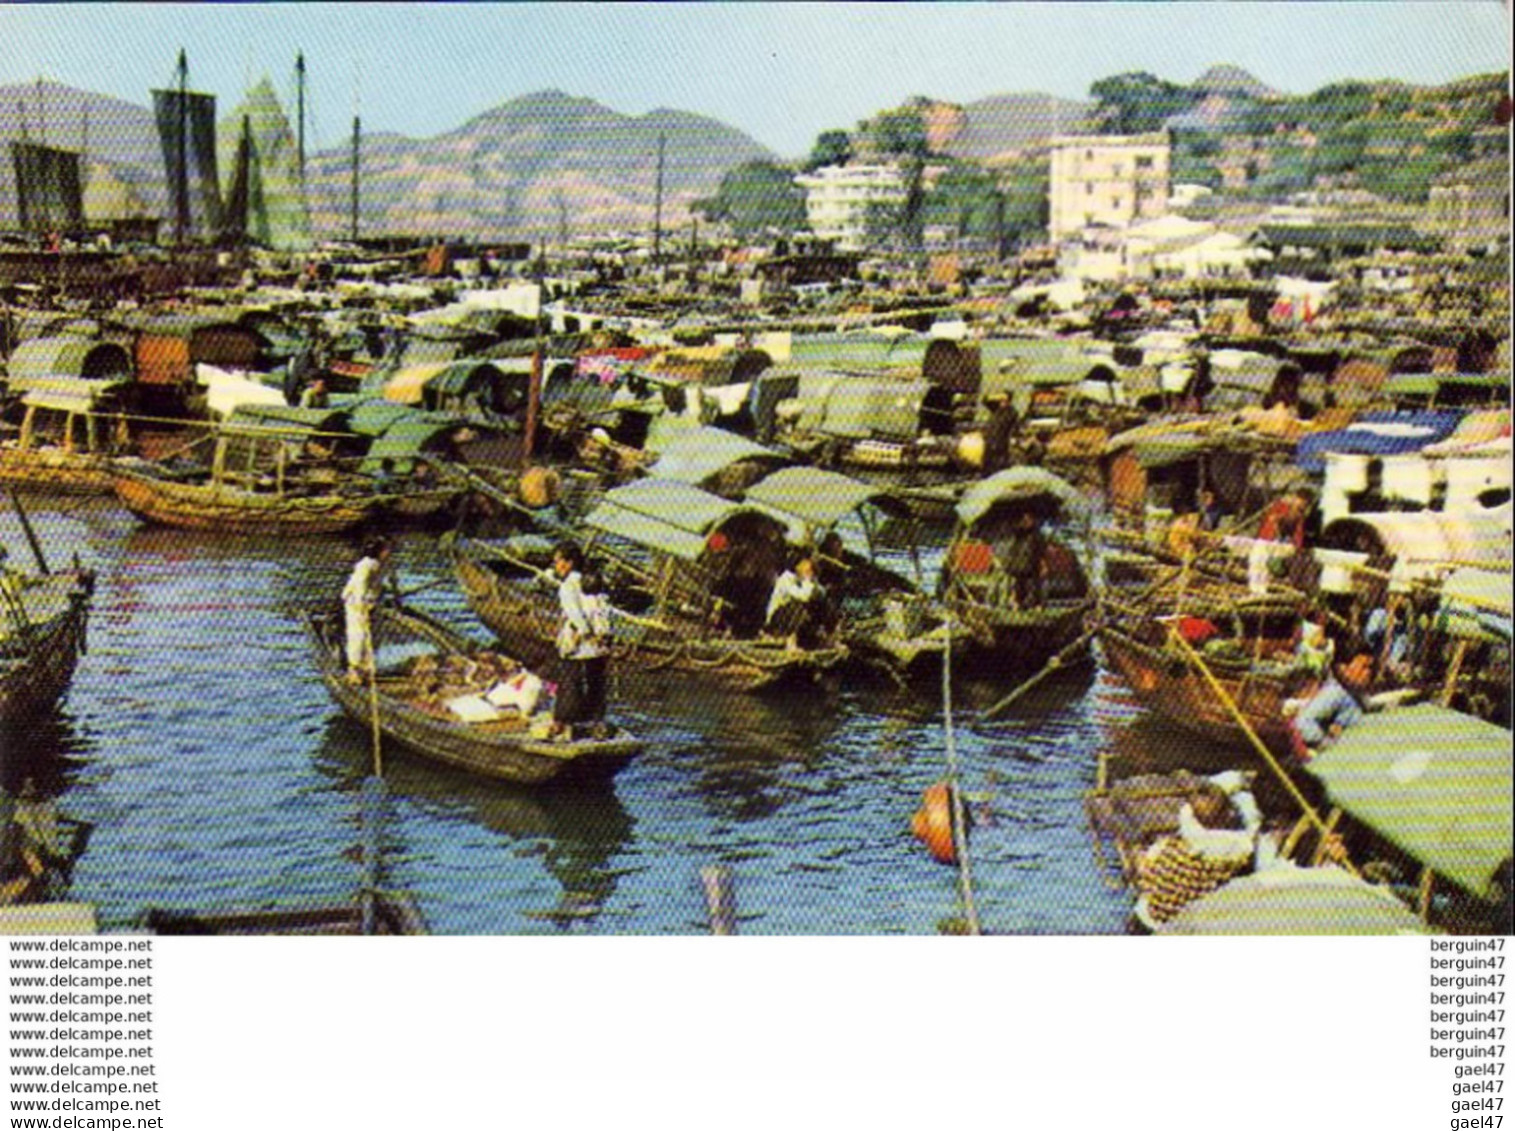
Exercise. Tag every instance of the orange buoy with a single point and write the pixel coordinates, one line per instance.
(932, 823)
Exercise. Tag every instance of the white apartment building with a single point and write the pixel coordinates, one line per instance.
(837, 198)
(1110, 180)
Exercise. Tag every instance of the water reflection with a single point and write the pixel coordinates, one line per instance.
(574, 829)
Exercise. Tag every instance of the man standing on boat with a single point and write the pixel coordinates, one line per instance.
(583, 646)
(359, 596)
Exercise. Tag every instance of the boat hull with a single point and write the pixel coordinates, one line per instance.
(56, 472)
(1169, 685)
(230, 510)
(507, 754)
(525, 621)
(34, 679)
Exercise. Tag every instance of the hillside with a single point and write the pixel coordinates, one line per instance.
(516, 170)
(1004, 123)
(118, 137)
(525, 166)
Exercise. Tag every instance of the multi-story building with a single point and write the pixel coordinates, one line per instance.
(1110, 180)
(838, 199)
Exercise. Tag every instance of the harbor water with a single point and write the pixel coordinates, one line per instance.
(199, 742)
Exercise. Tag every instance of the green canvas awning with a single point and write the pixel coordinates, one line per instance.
(405, 441)
(43, 362)
(286, 418)
(697, 454)
(71, 394)
(1435, 782)
(817, 498)
(1296, 901)
(664, 515)
(1014, 484)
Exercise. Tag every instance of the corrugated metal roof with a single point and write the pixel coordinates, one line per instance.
(1012, 484)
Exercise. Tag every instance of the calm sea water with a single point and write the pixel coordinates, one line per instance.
(200, 743)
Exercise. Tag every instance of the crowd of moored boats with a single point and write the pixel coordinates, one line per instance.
(1224, 518)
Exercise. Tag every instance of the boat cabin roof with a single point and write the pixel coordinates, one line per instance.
(1434, 781)
(695, 455)
(1012, 485)
(816, 497)
(666, 516)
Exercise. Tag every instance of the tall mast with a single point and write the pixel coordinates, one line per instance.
(357, 141)
(41, 114)
(657, 203)
(181, 182)
(300, 117)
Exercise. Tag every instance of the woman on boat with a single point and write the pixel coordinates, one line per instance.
(797, 606)
(359, 596)
(583, 645)
(1216, 839)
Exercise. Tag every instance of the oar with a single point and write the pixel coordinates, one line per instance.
(371, 817)
(31, 535)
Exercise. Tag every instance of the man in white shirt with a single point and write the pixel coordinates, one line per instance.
(359, 596)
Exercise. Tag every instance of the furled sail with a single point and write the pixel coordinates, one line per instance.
(187, 127)
(48, 187)
(275, 213)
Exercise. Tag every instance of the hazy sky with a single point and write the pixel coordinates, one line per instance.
(780, 72)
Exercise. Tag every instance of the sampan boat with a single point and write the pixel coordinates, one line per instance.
(427, 707)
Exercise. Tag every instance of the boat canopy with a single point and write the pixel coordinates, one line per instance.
(1013, 485)
(864, 407)
(73, 394)
(373, 417)
(1435, 782)
(42, 362)
(874, 348)
(407, 440)
(286, 419)
(664, 515)
(1162, 443)
(695, 455)
(452, 383)
(1296, 901)
(817, 498)
(1377, 434)
(1476, 604)
(1422, 540)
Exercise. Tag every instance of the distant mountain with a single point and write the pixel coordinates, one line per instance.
(117, 135)
(529, 166)
(517, 170)
(1004, 123)
(1227, 79)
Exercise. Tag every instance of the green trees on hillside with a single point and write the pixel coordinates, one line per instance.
(756, 198)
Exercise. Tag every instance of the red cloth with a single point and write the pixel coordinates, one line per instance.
(1197, 630)
(974, 557)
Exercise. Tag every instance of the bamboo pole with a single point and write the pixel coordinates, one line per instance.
(720, 898)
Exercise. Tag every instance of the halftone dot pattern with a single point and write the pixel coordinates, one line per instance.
(196, 737)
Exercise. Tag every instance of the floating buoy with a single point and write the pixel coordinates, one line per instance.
(932, 823)
(539, 487)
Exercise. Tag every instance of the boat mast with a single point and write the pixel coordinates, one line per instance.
(657, 203)
(181, 180)
(357, 142)
(300, 117)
